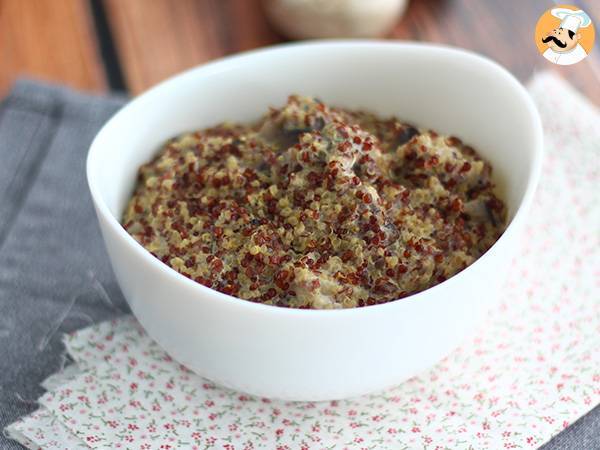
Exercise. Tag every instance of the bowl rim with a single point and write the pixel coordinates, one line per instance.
(215, 66)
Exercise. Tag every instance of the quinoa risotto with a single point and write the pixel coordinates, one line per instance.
(316, 207)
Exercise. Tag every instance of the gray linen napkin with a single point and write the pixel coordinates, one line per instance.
(54, 272)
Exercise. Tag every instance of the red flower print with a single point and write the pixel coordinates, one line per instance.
(415, 430)
(132, 426)
(279, 432)
(133, 386)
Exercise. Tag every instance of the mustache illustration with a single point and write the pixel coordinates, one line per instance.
(556, 41)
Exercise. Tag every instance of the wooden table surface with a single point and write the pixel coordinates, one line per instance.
(102, 45)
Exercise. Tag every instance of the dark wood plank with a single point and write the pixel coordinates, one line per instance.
(495, 29)
(49, 39)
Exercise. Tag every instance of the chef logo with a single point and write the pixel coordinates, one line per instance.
(564, 35)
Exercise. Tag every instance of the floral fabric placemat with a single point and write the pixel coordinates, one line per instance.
(532, 369)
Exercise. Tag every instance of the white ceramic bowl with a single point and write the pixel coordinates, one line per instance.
(304, 354)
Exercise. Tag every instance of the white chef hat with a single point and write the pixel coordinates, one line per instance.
(571, 20)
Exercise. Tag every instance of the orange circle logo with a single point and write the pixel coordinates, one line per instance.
(564, 35)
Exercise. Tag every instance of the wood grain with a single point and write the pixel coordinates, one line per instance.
(55, 39)
(158, 38)
(49, 39)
